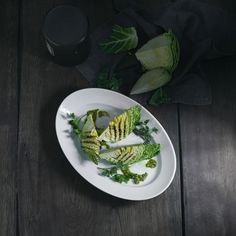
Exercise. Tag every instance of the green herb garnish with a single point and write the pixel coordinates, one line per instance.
(124, 176)
(159, 97)
(137, 178)
(121, 39)
(144, 131)
(151, 163)
(103, 80)
(120, 178)
(108, 171)
(92, 142)
(75, 123)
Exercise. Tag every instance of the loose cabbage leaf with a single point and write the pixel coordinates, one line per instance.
(151, 80)
(122, 39)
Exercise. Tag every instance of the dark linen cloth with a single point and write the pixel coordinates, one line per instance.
(204, 32)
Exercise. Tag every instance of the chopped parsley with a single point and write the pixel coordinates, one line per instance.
(144, 131)
(151, 163)
(104, 80)
(124, 176)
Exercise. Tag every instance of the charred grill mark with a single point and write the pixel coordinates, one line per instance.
(125, 127)
(120, 157)
(90, 149)
(121, 130)
(90, 141)
(91, 146)
(128, 121)
(91, 136)
(127, 156)
(113, 133)
(131, 157)
(116, 130)
(109, 127)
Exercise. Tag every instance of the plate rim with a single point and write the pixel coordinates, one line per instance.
(144, 109)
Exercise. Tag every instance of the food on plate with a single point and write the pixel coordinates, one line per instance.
(93, 140)
(131, 154)
(88, 139)
(122, 125)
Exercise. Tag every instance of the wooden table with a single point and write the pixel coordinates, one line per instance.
(41, 194)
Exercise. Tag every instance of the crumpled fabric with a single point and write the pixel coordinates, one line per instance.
(204, 32)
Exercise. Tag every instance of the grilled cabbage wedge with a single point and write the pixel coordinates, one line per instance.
(130, 154)
(162, 51)
(89, 141)
(151, 80)
(122, 125)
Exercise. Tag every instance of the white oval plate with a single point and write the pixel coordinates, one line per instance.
(158, 179)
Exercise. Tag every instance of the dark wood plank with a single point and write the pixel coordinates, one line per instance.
(161, 215)
(208, 137)
(164, 212)
(208, 152)
(53, 198)
(9, 113)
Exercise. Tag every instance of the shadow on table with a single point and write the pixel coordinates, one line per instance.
(61, 172)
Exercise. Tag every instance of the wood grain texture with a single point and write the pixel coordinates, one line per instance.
(53, 198)
(161, 215)
(208, 137)
(9, 113)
